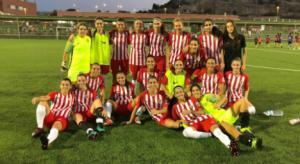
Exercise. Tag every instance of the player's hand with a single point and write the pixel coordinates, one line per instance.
(218, 105)
(243, 68)
(186, 112)
(63, 67)
(34, 101)
(185, 49)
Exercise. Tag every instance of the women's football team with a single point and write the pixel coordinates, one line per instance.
(182, 81)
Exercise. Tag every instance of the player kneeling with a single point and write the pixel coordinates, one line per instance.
(55, 116)
(88, 106)
(154, 101)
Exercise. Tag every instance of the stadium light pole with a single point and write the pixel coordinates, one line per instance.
(277, 10)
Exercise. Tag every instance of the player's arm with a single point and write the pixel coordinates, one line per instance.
(222, 60)
(67, 51)
(102, 93)
(136, 105)
(157, 111)
(39, 99)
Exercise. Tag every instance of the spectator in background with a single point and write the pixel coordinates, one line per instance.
(268, 40)
(290, 40)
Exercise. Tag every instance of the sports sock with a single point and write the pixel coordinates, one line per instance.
(251, 110)
(222, 137)
(40, 115)
(191, 133)
(244, 119)
(108, 109)
(52, 135)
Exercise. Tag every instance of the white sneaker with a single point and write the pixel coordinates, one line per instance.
(294, 121)
(137, 120)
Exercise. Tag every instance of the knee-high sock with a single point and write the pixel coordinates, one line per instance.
(52, 135)
(108, 109)
(222, 137)
(191, 133)
(40, 115)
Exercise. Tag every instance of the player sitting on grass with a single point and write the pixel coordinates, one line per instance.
(200, 124)
(55, 116)
(226, 120)
(154, 101)
(87, 106)
(121, 97)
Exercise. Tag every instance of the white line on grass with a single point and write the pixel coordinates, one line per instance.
(278, 50)
(281, 69)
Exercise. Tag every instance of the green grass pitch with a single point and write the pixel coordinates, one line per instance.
(31, 67)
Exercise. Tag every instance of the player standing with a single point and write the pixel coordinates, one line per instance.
(100, 48)
(119, 38)
(158, 38)
(138, 41)
(78, 50)
(234, 46)
(211, 43)
(54, 117)
(178, 40)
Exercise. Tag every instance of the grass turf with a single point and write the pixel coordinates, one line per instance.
(31, 68)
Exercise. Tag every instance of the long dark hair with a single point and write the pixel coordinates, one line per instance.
(126, 81)
(234, 33)
(215, 30)
(173, 101)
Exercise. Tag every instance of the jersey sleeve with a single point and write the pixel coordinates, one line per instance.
(221, 79)
(140, 76)
(111, 36)
(94, 93)
(52, 95)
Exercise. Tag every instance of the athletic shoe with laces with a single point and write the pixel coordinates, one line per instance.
(246, 129)
(256, 143)
(100, 128)
(44, 142)
(137, 120)
(234, 149)
(37, 132)
(92, 135)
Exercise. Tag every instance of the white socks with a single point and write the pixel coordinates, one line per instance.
(251, 110)
(139, 111)
(191, 133)
(52, 135)
(108, 109)
(40, 115)
(222, 137)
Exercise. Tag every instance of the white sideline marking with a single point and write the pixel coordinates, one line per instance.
(281, 69)
(277, 50)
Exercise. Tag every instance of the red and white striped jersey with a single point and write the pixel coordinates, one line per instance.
(190, 105)
(157, 43)
(191, 62)
(157, 101)
(61, 105)
(119, 43)
(138, 52)
(210, 47)
(177, 43)
(84, 100)
(122, 95)
(209, 83)
(236, 85)
(144, 75)
(96, 83)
